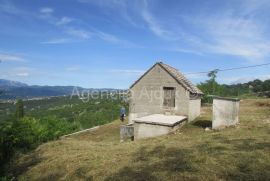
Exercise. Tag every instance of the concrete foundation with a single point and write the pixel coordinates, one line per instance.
(156, 125)
(225, 112)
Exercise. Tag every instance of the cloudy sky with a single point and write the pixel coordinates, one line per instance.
(110, 43)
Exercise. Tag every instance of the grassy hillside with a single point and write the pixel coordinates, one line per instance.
(48, 119)
(236, 153)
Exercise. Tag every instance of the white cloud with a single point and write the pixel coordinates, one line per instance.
(115, 40)
(8, 7)
(67, 25)
(46, 10)
(73, 68)
(64, 21)
(106, 3)
(22, 74)
(184, 50)
(127, 71)
(64, 24)
(22, 69)
(79, 33)
(126, 9)
(108, 37)
(232, 35)
(56, 41)
(233, 30)
(153, 24)
(11, 58)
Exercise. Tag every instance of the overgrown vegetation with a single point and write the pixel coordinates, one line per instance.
(28, 124)
(19, 113)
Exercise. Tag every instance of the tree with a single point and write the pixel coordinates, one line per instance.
(266, 85)
(211, 87)
(212, 82)
(213, 74)
(19, 113)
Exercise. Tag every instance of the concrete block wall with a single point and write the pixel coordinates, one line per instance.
(147, 95)
(194, 109)
(225, 112)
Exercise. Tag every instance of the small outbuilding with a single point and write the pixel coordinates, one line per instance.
(163, 90)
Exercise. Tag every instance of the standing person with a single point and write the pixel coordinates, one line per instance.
(122, 114)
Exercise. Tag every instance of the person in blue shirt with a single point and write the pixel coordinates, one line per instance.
(122, 114)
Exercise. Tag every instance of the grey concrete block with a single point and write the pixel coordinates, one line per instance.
(126, 132)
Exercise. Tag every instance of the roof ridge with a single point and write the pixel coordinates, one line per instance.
(181, 78)
(177, 75)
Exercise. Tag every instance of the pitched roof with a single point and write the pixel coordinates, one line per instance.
(179, 77)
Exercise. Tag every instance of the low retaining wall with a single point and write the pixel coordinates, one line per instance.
(79, 132)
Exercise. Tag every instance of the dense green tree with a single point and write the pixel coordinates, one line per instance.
(266, 85)
(19, 112)
(210, 87)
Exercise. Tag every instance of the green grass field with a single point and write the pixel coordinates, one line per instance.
(236, 153)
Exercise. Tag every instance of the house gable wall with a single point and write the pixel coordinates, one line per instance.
(147, 95)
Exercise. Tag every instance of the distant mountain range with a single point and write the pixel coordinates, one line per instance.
(14, 90)
(10, 83)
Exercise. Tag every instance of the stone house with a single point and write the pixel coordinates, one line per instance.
(164, 90)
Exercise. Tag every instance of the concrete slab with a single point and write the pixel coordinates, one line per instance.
(160, 119)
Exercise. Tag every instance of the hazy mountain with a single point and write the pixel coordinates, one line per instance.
(10, 83)
(13, 90)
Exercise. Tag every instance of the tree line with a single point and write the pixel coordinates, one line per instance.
(243, 90)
